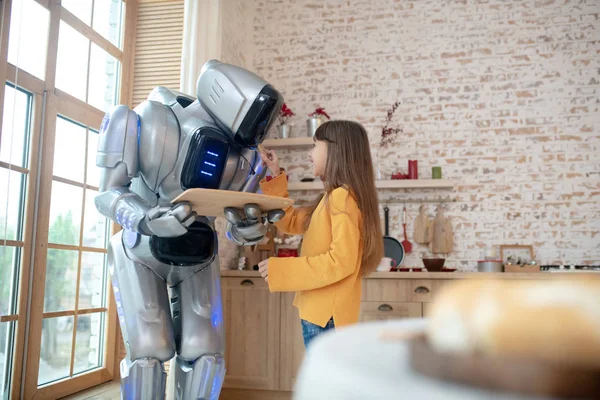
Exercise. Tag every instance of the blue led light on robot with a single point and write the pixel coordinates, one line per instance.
(206, 173)
(212, 154)
(139, 129)
(211, 164)
(105, 122)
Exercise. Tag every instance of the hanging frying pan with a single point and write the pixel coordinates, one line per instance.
(392, 247)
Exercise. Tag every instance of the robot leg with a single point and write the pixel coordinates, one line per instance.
(198, 318)
(145, 320)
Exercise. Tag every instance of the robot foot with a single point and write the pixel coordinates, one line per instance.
(143, 379)
(200, 380)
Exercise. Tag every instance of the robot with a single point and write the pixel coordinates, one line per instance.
(149, 155)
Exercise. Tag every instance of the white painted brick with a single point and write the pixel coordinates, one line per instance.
(504, 95)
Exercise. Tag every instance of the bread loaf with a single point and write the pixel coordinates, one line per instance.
(553, 320)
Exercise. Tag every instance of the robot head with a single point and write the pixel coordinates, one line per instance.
(239, 101)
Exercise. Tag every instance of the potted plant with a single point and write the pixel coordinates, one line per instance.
(315, 120)
(285, 130)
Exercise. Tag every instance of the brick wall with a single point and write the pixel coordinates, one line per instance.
(504, 95)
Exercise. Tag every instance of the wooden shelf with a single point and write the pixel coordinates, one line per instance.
(384, 184)
(291, 142)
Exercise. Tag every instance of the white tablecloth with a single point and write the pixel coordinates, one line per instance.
(354, 363)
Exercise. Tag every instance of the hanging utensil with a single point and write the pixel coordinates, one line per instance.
(440, 233)
(392, 248)
(405, 243)
(422, 226)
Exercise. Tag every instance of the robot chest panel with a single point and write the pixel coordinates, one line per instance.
(205, 162)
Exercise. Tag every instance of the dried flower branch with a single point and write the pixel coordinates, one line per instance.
(387, 133)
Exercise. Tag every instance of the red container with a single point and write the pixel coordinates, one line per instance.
(287, 253)
(413, 169)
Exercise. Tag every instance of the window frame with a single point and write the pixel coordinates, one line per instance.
(47, 104)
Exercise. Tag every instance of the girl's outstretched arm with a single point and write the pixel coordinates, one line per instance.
(342, 259)
(294, 222)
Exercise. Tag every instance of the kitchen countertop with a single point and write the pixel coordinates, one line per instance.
(443, 275)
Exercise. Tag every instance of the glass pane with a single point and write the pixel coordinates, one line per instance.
(15, 127)
(92, 281)
(12, 185)
(103, 79)
(61, 280)
(27, 46)
(9, 263)
(72, 61)
(65, 213)
(93, 172)
(88, 349)
(55, 354)
(7, 330)
(94, 223)
(69, 150)
(82, 9)
(108, 16)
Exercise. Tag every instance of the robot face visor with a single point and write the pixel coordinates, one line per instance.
(259, 118)
(196, 247)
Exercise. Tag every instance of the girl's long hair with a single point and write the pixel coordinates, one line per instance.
(349, 165)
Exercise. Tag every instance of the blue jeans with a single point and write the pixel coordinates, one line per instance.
(311, 331)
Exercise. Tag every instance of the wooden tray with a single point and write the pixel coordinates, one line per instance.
(520, 376)
(211, 203)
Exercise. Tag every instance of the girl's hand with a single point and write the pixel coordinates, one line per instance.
(270, 159)
(263, 268)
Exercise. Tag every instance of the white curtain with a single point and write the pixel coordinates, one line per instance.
(202, 25)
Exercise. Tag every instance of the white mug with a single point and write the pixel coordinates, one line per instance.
(385, 264)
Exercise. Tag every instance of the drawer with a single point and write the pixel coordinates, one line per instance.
(375, 311)
(409, 290)
(385, 290)
(244, 283)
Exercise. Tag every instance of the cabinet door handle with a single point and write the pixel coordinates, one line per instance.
(247, 282)
(385, 307)
(421, 289)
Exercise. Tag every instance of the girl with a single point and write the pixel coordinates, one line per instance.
(342, 232)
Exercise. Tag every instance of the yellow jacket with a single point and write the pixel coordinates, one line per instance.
(325, 276)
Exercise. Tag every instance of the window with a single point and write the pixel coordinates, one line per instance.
(14, 155)
(76, 275)
(52, 238)
(107, 17)
(27, 45)
(84, 69)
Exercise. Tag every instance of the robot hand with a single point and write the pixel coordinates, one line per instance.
(165, 221)
(249, 230)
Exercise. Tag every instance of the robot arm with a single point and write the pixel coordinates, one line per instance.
(117, 155)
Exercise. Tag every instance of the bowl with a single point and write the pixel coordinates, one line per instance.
(434, 264)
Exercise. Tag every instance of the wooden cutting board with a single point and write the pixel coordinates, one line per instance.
(422, 226)
(440, 234)
(211, 203)
(524, 376)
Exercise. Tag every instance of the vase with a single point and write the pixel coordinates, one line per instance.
(312, 124)
(378, 174)
(285, 131)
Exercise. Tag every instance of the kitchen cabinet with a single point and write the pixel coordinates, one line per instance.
(264, 336)
(292, 342)
(252, 333)
(375, 311)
